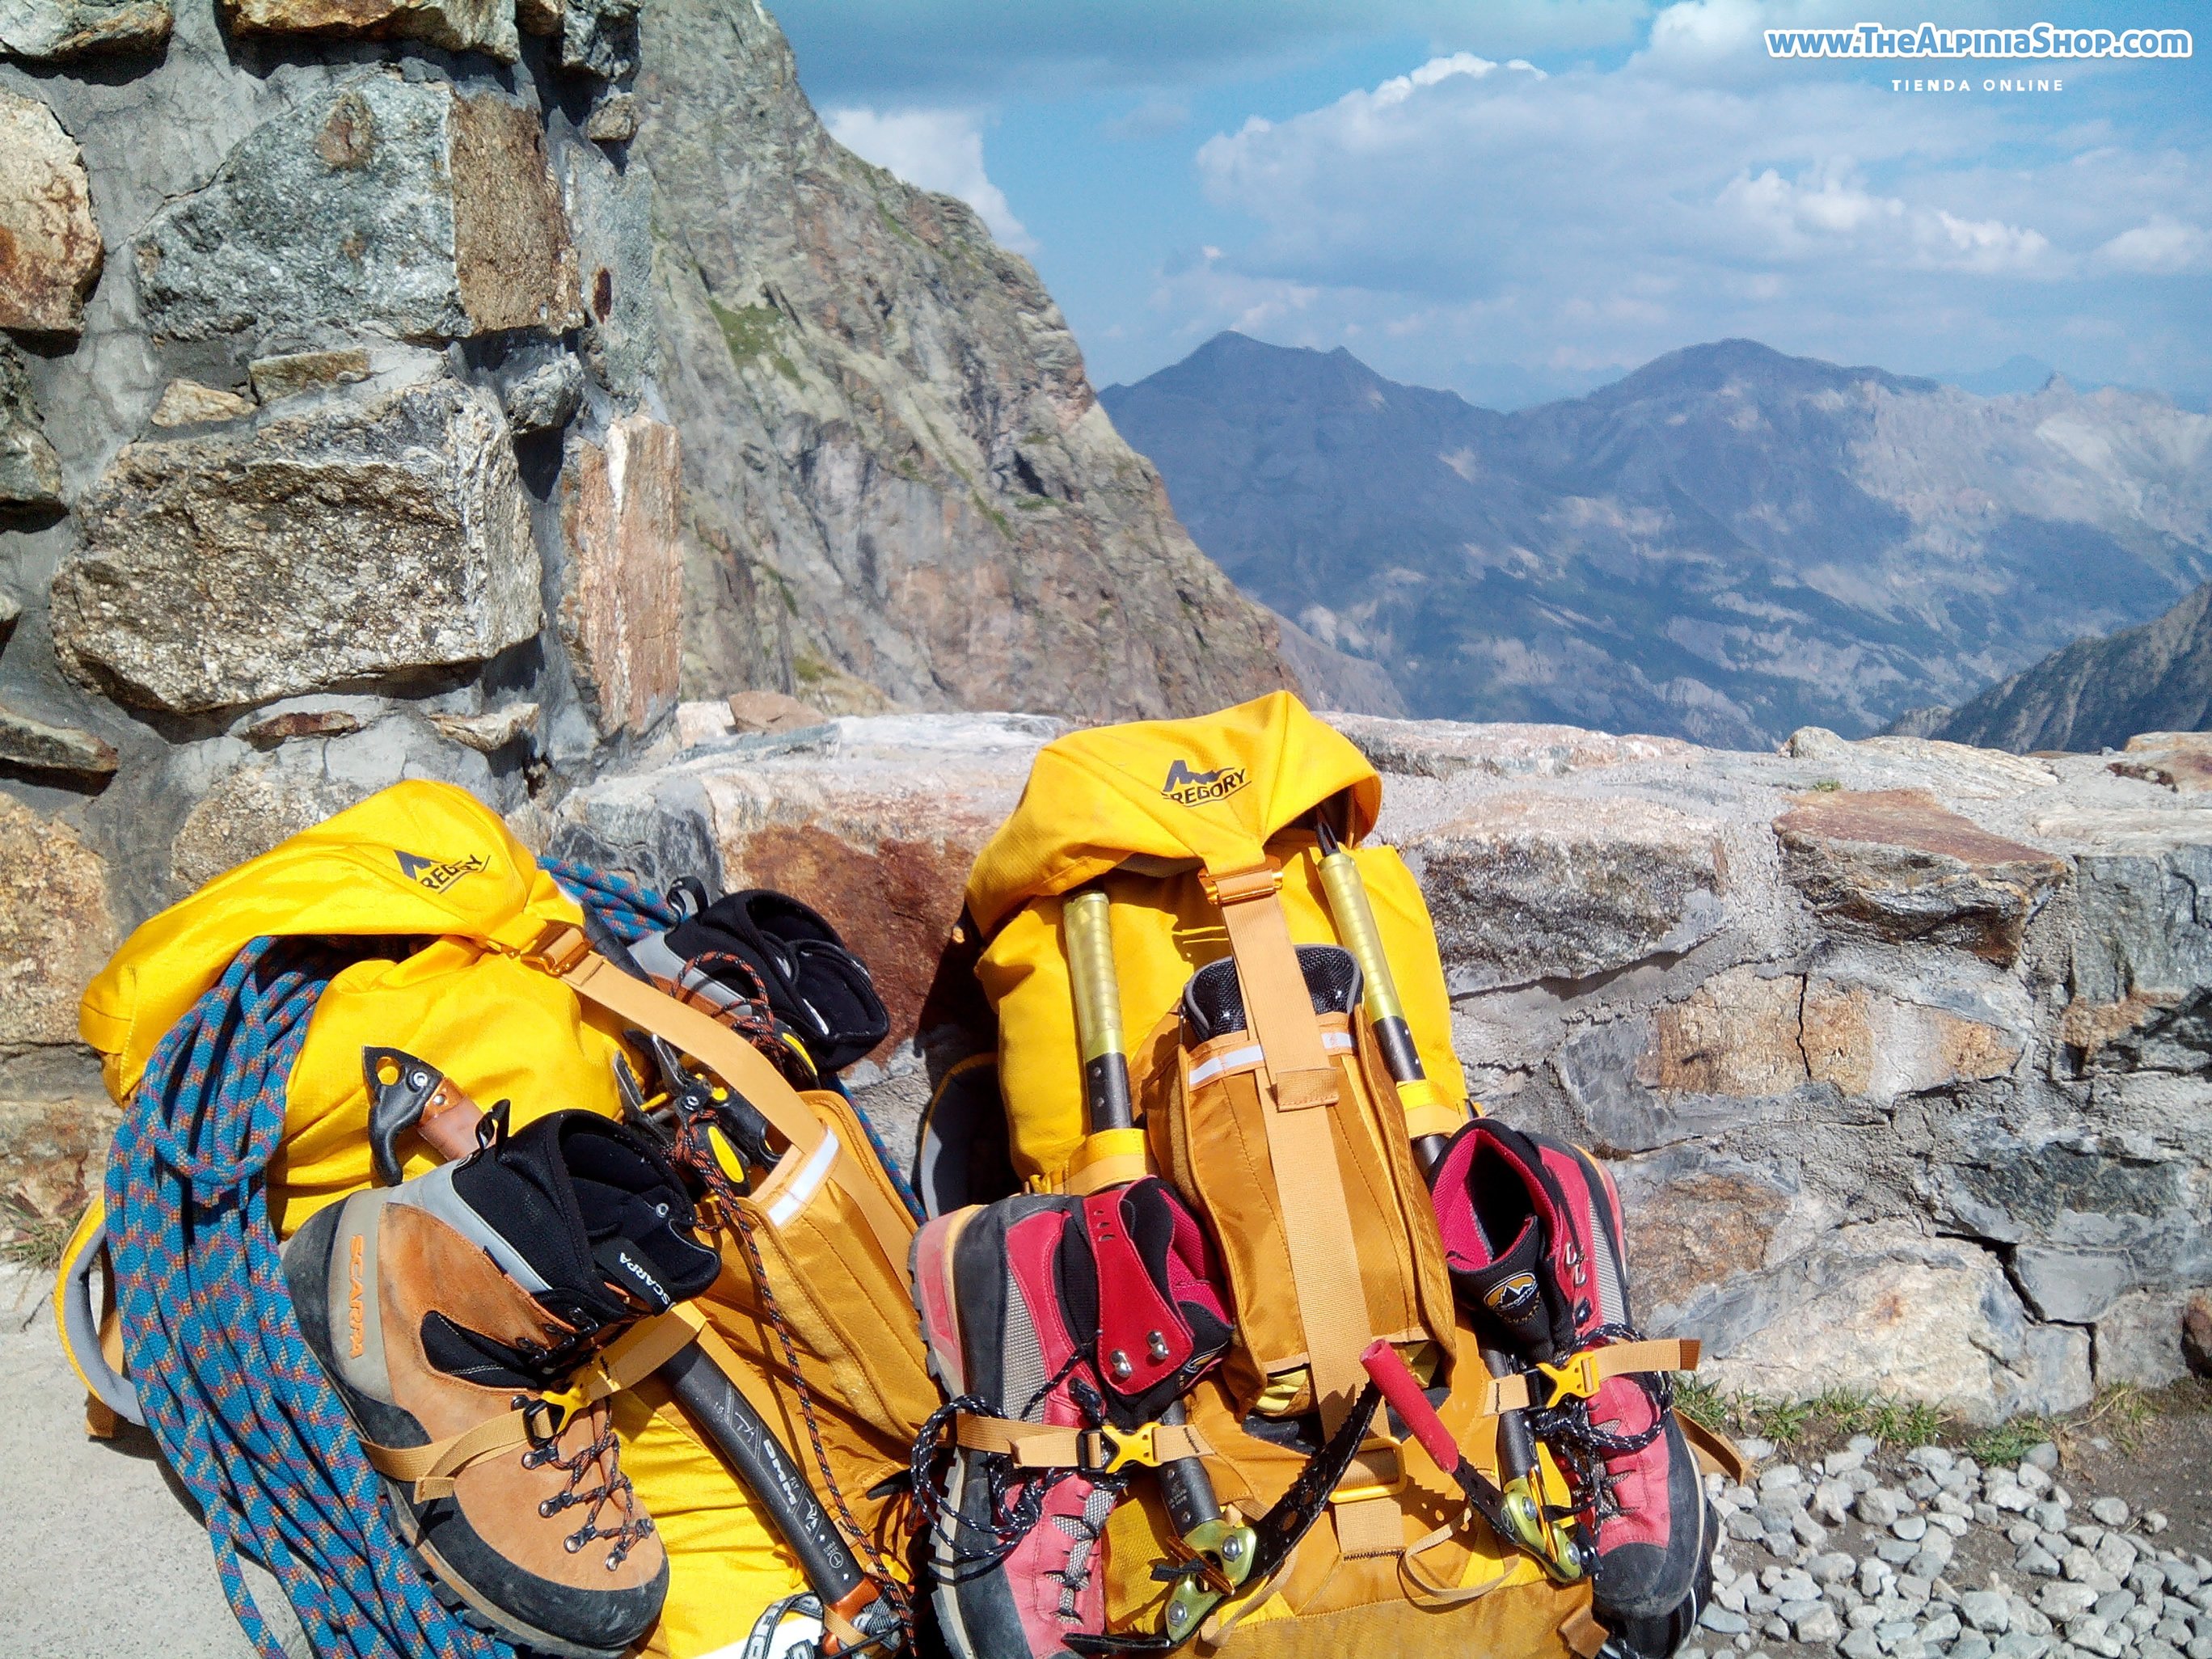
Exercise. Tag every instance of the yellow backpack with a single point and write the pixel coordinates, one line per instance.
(1205, 836)
(495, 986)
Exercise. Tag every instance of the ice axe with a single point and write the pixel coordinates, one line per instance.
(1110, 1132)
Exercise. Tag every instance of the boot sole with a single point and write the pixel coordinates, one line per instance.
(306, 1261)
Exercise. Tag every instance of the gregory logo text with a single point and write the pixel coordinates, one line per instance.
(435, 875)
(1188, 788)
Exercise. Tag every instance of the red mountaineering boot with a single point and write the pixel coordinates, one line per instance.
(1087, 1314)
(1533, 1238)
(450, 1306)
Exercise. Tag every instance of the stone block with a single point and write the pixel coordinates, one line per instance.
(599, 37)
(295, 723)
(1696, 1221)
(58, 31)
(27, 742)
(56, 928)
(1611, 1071)
(2142, 956)
(622, 605)
(1445, 749)
(771, 711)
(1736, 1033)
(2139, 1339)
(489, 732)
(1521, 891)
(294, 373)
(30, 471)
(383, 204)
(545, 397)
(1896, 865)
(875, 822)
(485, 25)
(2181, 761)
(1879, 1308)
(187, 403)
(53, 1139)
(1868, 1043)
(249, 810)
(2074, 1285)
(50, 247)
(378, 534)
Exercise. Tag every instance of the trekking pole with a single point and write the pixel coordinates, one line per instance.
(1354, 916)
(1109, 1130)
(400, 1089)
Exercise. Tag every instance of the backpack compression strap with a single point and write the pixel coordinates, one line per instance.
(562, 952)
(1297, 1102)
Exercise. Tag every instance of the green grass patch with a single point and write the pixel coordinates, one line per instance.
(754, 334)
(1006, 525)
(35, 1241)
(810, 670)
(1799, 1426)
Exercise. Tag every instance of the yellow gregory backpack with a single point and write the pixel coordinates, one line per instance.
(1291, 1141)
(492, 982)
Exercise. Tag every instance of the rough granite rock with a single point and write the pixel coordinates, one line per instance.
(896, 467)
(599, 37)
(1919, 1319)
(30, 471)
(544, 398)
(621, 606)
(2142, 962)
(40, 747)
(247, 812)
(56, 927)
(485, 25)
(2139, 1340)
(489, 732)
(58, 31)
(297, 371)
(382, 204)
(1894, 865)
(371, 535)
(50, 247)
(188, 402)
(1521, 891)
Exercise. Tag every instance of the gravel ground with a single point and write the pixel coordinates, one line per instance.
(1873, 1556)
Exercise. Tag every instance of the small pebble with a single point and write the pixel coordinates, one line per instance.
(1723, 1622)
(1878, 1507)
(2038, 1562)
(1910, 1526)
(2155, 1521)
(1970, 1645)
(1897, 1550)
(2109, 1511)
(1860, 1643)
(1780, 1477)
(2043, 1455)
(1932, 1458)
(1755, 1449)
(1921, 1488)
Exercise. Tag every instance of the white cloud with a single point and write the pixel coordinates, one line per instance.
(940, 150)
(2163, 246)
(1635, 210)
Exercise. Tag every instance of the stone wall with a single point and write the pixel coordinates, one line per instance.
(401, 389)
(1900, 1052)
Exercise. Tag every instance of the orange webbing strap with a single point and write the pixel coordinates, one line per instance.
(1715, 1450)
(1315, 1212)
(1040, 1446)
(639, 1352)
(563, 953)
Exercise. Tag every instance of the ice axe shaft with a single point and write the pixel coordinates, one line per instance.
(1186, 1488)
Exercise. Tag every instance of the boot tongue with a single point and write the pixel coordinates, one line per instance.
(1508, 1296)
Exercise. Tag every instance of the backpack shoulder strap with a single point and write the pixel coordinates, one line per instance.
(562, 952)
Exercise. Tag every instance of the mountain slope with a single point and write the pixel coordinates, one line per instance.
(2097, 693)
(1725, 545)
(896, 472)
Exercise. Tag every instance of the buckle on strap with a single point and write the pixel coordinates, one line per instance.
(1104, 1449)
(1577, 1376)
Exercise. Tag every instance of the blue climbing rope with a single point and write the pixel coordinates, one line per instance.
(232, 1393)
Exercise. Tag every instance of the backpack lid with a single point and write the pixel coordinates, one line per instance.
(418, 859)
(1209, 790)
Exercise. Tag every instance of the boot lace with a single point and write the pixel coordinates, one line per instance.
(598, 1455)
(1583, 1448)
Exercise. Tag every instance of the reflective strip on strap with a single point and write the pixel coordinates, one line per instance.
(1240, 1059)
(739, 1065)
(803, 1185)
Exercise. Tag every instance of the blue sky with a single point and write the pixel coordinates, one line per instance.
(1520, 198)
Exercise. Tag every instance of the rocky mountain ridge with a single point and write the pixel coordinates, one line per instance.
(1724, 545)
(2096, 693)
